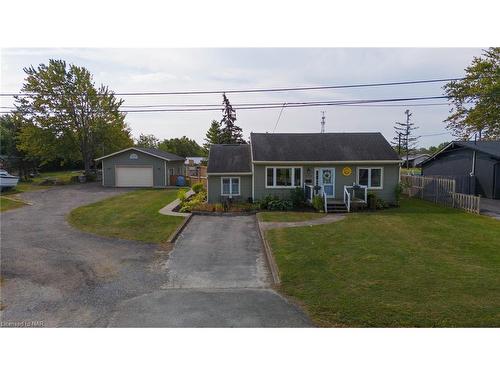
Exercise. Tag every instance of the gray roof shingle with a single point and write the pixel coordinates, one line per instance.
(489, 147)
(229, 159)
(321, 147)
(160, 153)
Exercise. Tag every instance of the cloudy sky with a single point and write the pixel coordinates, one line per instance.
(136, 70)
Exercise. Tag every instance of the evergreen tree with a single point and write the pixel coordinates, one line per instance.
(213, 136)
(231, 133)
(405, 141)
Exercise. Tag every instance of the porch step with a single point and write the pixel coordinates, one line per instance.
(336, 207)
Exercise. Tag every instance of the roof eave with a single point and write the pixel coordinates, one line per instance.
(136, 149)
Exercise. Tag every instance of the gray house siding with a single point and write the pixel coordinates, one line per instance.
(214, 188)
(387, 193)
(160, 167)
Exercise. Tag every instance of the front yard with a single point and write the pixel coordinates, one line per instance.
(9, 204)
(131, 216)
(419, 265)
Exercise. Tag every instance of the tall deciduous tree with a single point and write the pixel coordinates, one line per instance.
(231, 133)
(67, 117)
(147, 140)
(10, 127)
(182, 147)
(476, 99)
(213, 136)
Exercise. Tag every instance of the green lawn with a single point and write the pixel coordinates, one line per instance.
(289, 216)
(132, 216)
(419, 265)
(9, 204)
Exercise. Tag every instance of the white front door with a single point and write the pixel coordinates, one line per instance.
(325, 177)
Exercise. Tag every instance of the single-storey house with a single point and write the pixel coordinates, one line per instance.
(476, 162)
(274, 164)
(141, 167)
(414, 160)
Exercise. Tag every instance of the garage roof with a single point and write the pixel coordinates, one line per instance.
(150, 151)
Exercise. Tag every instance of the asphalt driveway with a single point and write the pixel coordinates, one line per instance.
(215, 276)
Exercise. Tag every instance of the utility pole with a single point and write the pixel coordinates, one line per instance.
(323, 122)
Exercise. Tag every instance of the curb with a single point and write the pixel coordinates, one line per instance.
(269, 256)
(210, 213)
(180, 228)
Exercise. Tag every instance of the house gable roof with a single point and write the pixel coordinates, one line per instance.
(491, 148)
(321, 147)
(150, 151)
(229, 159)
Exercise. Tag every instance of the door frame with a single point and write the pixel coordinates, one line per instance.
(319, 181)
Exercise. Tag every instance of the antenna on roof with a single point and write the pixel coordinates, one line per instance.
(323, 122)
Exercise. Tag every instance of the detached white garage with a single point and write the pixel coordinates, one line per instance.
(141, 167)
(134, 176)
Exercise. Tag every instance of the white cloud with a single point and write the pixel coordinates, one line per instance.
(199, 69)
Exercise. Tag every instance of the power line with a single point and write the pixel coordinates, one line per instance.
(275, 125)
(290, 105)
(280, 89)
(219, 106)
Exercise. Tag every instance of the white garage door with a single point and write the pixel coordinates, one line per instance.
(134, 176)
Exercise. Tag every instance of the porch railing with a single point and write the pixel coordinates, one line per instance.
(325, 202)
(347, 199)
(350, 195)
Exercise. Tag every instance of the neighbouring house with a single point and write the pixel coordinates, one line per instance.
(195, 160)
(274, 164)
(414, 161)
(141, 167)
(475, 166)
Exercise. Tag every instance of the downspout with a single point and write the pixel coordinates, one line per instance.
(473, 172)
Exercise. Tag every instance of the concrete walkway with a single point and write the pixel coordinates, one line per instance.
(169, 208)
(490, 207)
(330, 218)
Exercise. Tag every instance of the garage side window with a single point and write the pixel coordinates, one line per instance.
(230, 186)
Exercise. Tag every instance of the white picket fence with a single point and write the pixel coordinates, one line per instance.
(439, 190)
(467, 202)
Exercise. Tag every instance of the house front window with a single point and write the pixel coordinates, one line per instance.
(371, 177)
(230, 186)
(283, 177)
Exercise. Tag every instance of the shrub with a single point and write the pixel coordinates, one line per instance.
(318, 203)
(198, 187)
(195, 200)
(278, 204)
(298, 197)
(265, 201)
(181, 194)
